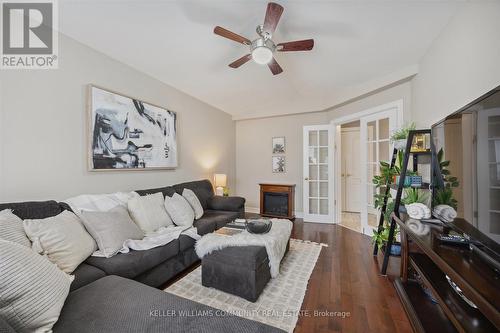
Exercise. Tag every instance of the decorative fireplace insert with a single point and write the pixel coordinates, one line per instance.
(277, 200)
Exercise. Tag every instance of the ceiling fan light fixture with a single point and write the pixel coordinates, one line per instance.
(262, 55)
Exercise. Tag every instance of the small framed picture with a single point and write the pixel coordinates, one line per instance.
(279, 164)
(279, 145)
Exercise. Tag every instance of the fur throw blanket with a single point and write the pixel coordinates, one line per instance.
(275, 242)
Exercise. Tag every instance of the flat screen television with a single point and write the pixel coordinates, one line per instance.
(470, 139)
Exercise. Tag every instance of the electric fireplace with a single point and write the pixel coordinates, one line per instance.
(277, 200)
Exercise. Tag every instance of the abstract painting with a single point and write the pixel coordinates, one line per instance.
(278, 164)
(129, 134)
(279, 145)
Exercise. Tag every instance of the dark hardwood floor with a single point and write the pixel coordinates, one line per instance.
(346, 279)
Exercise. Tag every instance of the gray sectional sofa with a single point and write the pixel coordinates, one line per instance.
(115, 295)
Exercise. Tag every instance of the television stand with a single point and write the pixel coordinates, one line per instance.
(427, 262)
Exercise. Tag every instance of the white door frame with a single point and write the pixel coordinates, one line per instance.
(330, 218)
(336, 123)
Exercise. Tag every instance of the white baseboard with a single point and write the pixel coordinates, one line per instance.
(256, 210)
(252, 210)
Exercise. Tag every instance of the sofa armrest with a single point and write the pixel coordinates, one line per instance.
(233, 204)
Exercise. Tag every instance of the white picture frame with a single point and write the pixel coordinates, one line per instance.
(278, 145)
(279, 164)
(125, 133)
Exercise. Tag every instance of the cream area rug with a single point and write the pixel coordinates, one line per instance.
(280, 302)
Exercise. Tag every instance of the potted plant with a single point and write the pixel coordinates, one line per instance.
(415, 195)
(444, 196)
(399, 137)
(381, 182)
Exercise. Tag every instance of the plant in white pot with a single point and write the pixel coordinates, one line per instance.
(399, 137)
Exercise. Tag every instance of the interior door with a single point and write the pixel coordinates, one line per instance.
(376, 147)
(351, 170)
(318, 171)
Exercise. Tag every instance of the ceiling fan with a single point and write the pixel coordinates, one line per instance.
(262, 48)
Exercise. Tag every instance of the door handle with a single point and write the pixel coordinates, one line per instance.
(349, 175)
(306, 178)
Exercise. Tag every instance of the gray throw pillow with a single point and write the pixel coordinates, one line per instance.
(32, 289)
(179, 210)
(62, 238)
(11, 228)
(194, 202)
(110, 229)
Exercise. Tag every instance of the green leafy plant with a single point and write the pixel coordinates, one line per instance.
(381, 183)
(403, 132)
(380, 238)
(444, 196)
(415, 195)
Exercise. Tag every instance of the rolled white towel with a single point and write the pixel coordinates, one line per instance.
(418, 211)
(444, 213)
(417, 227)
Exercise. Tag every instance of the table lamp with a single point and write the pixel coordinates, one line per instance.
(220, 180)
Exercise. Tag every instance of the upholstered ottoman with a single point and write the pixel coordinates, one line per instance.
(241, 270)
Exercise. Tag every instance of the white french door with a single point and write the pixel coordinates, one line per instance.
(318, 174)
(375, 147)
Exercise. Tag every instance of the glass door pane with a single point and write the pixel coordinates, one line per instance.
(317, 201)
(376, 131)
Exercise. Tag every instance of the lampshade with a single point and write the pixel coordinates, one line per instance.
(220, 180)
(262, 55)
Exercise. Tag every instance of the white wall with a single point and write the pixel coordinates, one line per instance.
(43, 137)
(253, 142)
(462, 64)
(400, 91)
(254, 151)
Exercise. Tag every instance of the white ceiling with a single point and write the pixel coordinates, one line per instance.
(359, 46)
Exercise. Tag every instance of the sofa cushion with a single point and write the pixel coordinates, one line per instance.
(111, 229)
(132, 264)
(32, 289)
(234, 204)
(85, 274)
(194, 202)
(116, 305)
(179, 210)
(202, 188)
(5, 327)
(148, 212)
(166, 191)
(62, 238)
(213, 220)
(34, 209)
(11, 228)
(185, 242)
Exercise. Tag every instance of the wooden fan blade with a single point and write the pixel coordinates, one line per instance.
(275, 67)
(299, 45)
(273, 14)
(240, 61)
(231, 35)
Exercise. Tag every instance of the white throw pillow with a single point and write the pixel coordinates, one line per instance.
(62, 238)
(194, 202)
(32, 289)
(111, 229)
(179, 210)
(149, 213)
(11, 228)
